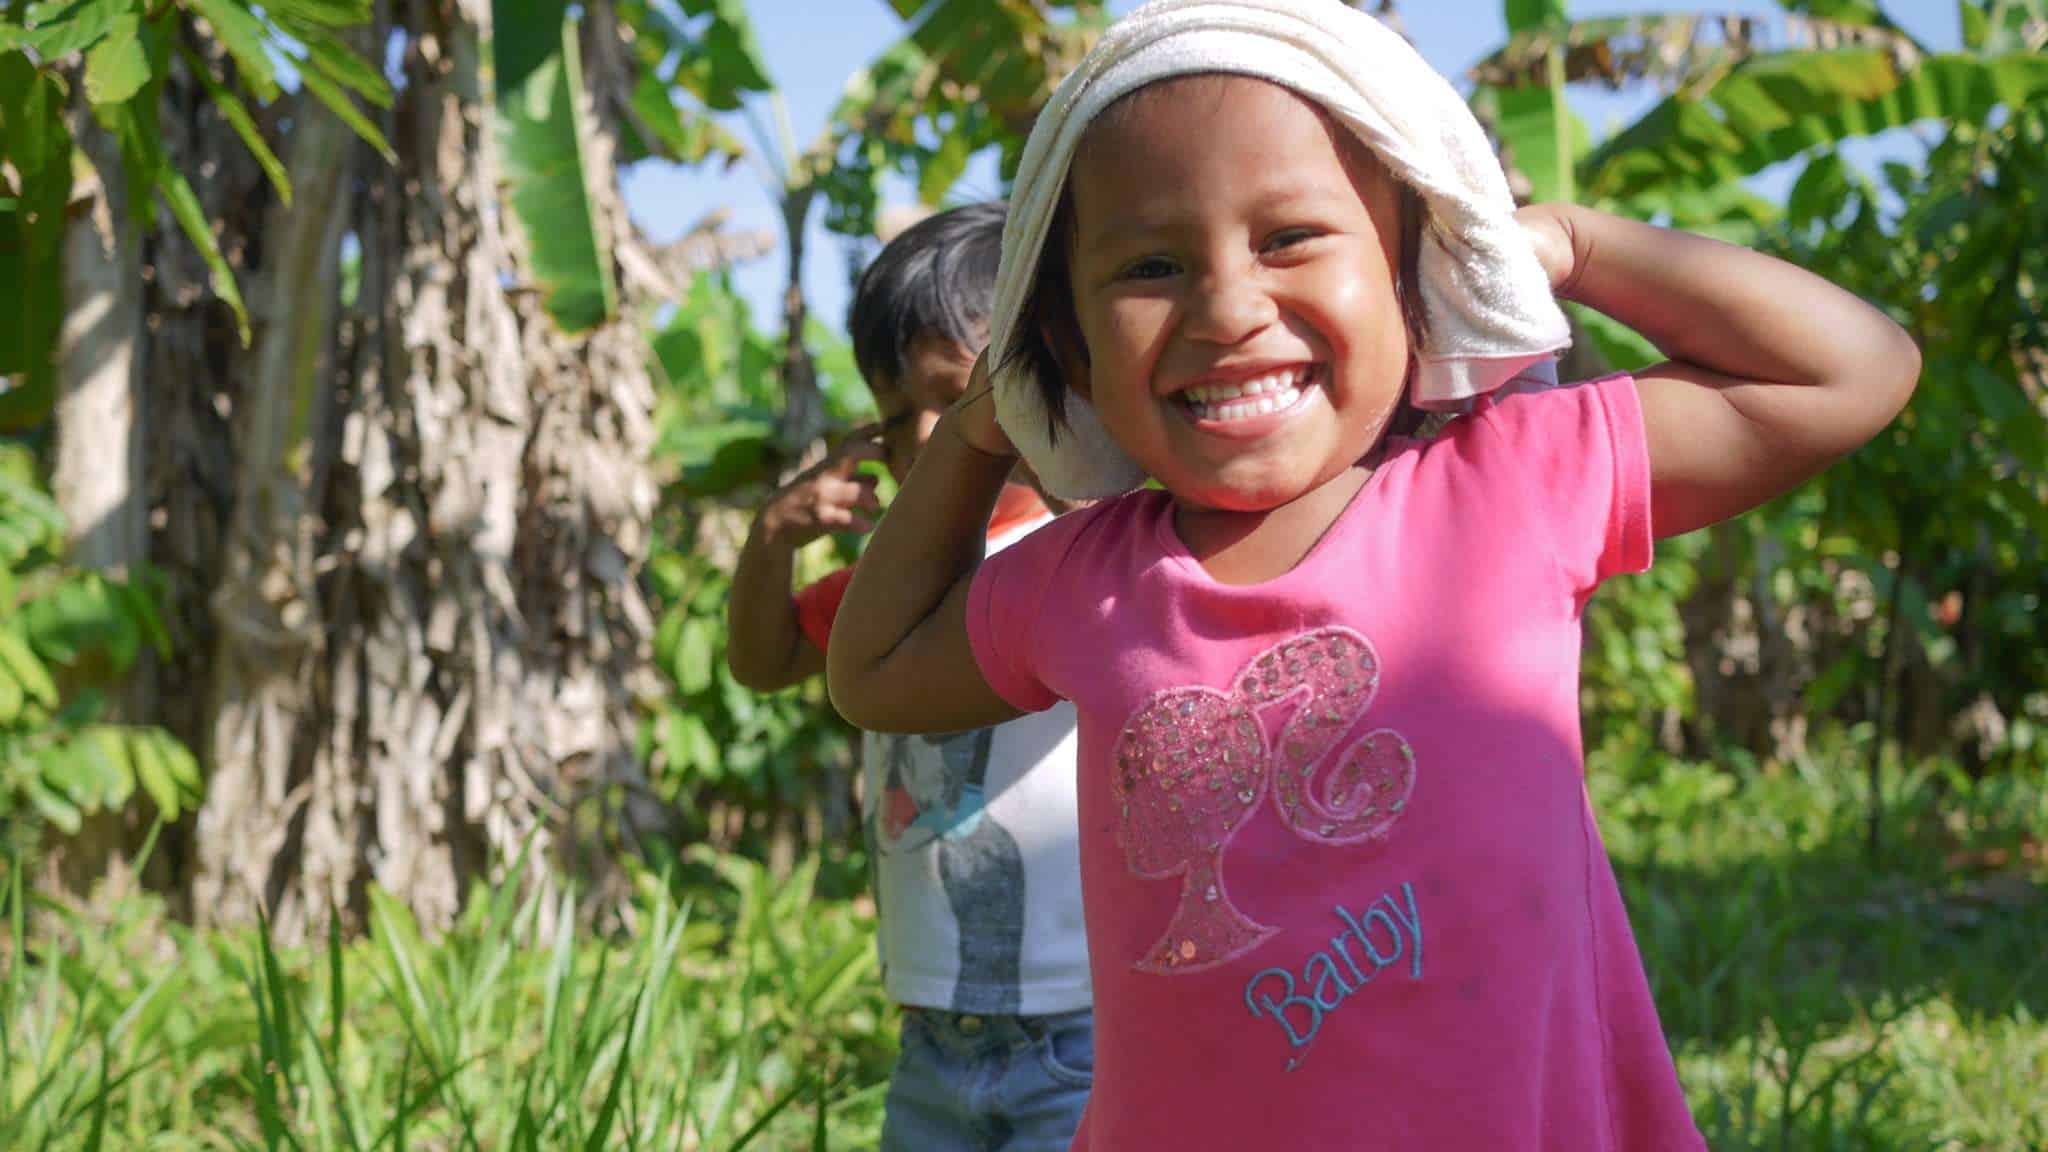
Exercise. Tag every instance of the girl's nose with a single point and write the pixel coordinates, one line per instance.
(1229, 307)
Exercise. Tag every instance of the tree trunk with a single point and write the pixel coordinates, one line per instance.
(474, 644)
(191, 374)
(97, 453)
(96, 449)
(267, 636)
(803, 412)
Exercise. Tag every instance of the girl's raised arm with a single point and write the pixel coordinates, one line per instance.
(899, 659)
(1774, 372)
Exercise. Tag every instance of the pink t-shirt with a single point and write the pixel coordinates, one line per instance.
(1343, 887)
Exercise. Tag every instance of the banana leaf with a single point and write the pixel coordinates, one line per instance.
(542, 131)
(1774, 107)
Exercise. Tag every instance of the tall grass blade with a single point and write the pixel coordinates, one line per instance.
(141, 865)
(443, 1074)
(330, 1068)
(833, 978)
(767, 1117)
(819, 1139)
(108, 1089)
(10, 991)
(526, 1133)
(280, 1012)
(337, 988)
(49, 1072)
(145, 1015)
(398, 1142)
(96, 1135)
(608, 1111)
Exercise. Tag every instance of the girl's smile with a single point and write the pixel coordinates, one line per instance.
(1252, 403)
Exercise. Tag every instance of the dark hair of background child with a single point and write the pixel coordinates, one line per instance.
(938, 276)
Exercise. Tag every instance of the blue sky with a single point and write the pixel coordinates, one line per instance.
(813, 46)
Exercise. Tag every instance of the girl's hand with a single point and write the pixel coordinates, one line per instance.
(900, 658)
(974, 415)
(1550, 232)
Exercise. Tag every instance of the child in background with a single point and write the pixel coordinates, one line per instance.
(1343, 887)
(971, 835)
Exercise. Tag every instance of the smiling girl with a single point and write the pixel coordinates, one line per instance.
(1343, 889)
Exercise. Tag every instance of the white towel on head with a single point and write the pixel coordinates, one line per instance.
(1491, 315)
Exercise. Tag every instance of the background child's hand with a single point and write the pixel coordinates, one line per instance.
(830, 496)
(974, 416)
(1550, 231)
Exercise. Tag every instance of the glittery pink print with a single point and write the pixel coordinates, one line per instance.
(1331, 675)
(1190, 767)
(1193, 764)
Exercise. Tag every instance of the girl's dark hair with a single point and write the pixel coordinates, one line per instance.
(938, 276)
(1048, 332)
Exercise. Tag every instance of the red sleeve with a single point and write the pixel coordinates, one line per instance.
(817, 605)
(1583, 466)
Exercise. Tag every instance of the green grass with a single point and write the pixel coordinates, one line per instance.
(1816, 999)
(748, 1018)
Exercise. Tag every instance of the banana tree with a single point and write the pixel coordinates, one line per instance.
(84, 89)
(743, 407)
(117, 53)
(114, 231)
(1950, 264)
(966, 76)
(1745, 93)
(434, 642)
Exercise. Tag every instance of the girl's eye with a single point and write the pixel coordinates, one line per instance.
(1289, 237)
(1148, 268)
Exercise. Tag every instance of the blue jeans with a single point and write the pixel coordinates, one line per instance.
(989, 1083)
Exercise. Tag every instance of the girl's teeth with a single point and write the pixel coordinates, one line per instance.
(1212, 395)
(1279, 400)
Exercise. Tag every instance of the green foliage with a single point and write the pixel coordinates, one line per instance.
(716, 743)
(1891, 595)
(1772, 107)
(968, 75)
(66, 638)
(35, 186)
(685, 72)
(545, 137)
(895, 116)
(126, 48)
(724, 61)
(739, 1013)
(721, 388)
(1840, 11)
(712, 744)
(1633, 678)
(1540, 134)
(1956, 492)
(681, 71)
(1814, 1001)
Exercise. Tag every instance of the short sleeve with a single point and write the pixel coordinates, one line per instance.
(1584, 470)
(817, 605)
(1006, 609)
